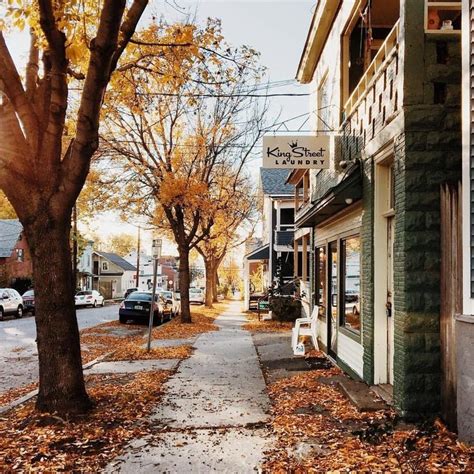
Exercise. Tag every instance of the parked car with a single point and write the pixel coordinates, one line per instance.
(127, 292)
(196, 295)
(10, 303)
(89, 298)
(29, 301)
(137, 307)
(174, 300)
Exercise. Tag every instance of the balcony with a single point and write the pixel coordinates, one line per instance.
(375, 100)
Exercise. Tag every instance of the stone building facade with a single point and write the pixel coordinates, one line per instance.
(388, 90)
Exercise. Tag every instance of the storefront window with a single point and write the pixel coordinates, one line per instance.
(321, 285)
(350, 282)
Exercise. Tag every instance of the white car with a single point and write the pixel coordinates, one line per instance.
(10, 303)
(172, 299)
(89, 298)
(196, 295)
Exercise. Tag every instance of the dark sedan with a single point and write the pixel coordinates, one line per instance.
(29, 301)
(137, 307)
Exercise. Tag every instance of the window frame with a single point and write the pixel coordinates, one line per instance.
(342, 285)
(322, 315)
(344, 234)
(20, 255)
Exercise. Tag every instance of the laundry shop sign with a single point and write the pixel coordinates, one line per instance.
(290, 152)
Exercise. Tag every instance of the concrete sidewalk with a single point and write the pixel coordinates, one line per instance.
(214, 410)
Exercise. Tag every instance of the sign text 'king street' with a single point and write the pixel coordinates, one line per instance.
(307, 152)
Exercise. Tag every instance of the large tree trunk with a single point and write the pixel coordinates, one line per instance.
(184, 282)
(61, 381)
(215, 283)
(208, 263)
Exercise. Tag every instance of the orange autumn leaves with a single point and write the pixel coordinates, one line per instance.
(319, 430)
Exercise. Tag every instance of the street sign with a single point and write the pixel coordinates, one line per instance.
(156, 248)
(296, 152)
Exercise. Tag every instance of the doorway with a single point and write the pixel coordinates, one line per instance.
(332, 311)
(384, 290)
(389, 305)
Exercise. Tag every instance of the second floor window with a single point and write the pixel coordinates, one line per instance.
(105, 266)
(20, 255)
(324, 106)
(287, 219)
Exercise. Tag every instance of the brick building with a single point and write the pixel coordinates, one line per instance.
(386, 77)
(15, 261)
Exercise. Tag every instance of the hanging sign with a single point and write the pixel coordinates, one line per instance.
(290, 152)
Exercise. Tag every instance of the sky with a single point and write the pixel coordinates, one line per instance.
(277, 29)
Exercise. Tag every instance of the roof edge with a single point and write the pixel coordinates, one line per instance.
(318, 33)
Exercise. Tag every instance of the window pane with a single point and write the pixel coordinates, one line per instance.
(351, 283)
(321, 280)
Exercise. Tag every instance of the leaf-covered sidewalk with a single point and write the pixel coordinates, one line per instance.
(319, 430)
(32, 442)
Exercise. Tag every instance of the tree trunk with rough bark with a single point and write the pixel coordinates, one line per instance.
(184, 282)
(42, 172)
(61, 384)
(215, 284)
(208, 263)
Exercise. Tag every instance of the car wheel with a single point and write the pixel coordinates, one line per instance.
(19, 312)
(156, 319)
(94, 304)
(2, 314)
(122, 319)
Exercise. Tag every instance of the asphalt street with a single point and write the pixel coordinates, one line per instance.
(18, 353)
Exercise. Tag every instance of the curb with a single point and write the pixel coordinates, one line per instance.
(33, 393)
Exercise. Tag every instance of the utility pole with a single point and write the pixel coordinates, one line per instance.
(138, 260)
(156, 254)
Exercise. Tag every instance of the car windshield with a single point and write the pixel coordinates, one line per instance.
(195, 290)
(82, 293)
(29, 293)
(138, 296)
(167, 294)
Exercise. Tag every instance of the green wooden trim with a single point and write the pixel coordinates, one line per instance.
(341, 364)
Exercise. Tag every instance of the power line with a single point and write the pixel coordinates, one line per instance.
(222, 96)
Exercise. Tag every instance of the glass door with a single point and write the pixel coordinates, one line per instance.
(332, 313)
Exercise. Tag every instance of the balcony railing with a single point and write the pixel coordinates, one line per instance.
(375, 101)
(388, 48)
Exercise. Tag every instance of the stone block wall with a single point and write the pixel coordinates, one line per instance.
(427, 154)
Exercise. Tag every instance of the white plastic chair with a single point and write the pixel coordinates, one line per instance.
(306, 327)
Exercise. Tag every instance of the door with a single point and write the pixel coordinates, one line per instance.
(451, 295)
(332, 312)
(389, 304)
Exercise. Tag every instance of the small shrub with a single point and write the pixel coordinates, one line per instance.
(285, 308)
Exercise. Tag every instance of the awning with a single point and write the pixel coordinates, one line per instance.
(261, 253)
(348, 191)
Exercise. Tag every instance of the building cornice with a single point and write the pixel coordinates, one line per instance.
(318, 33)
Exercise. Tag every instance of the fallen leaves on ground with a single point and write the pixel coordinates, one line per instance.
(33, 442)
(254, 325)
(202, 321)
(98, 341)
(15, 393)
(133, 352)
(319, 430)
